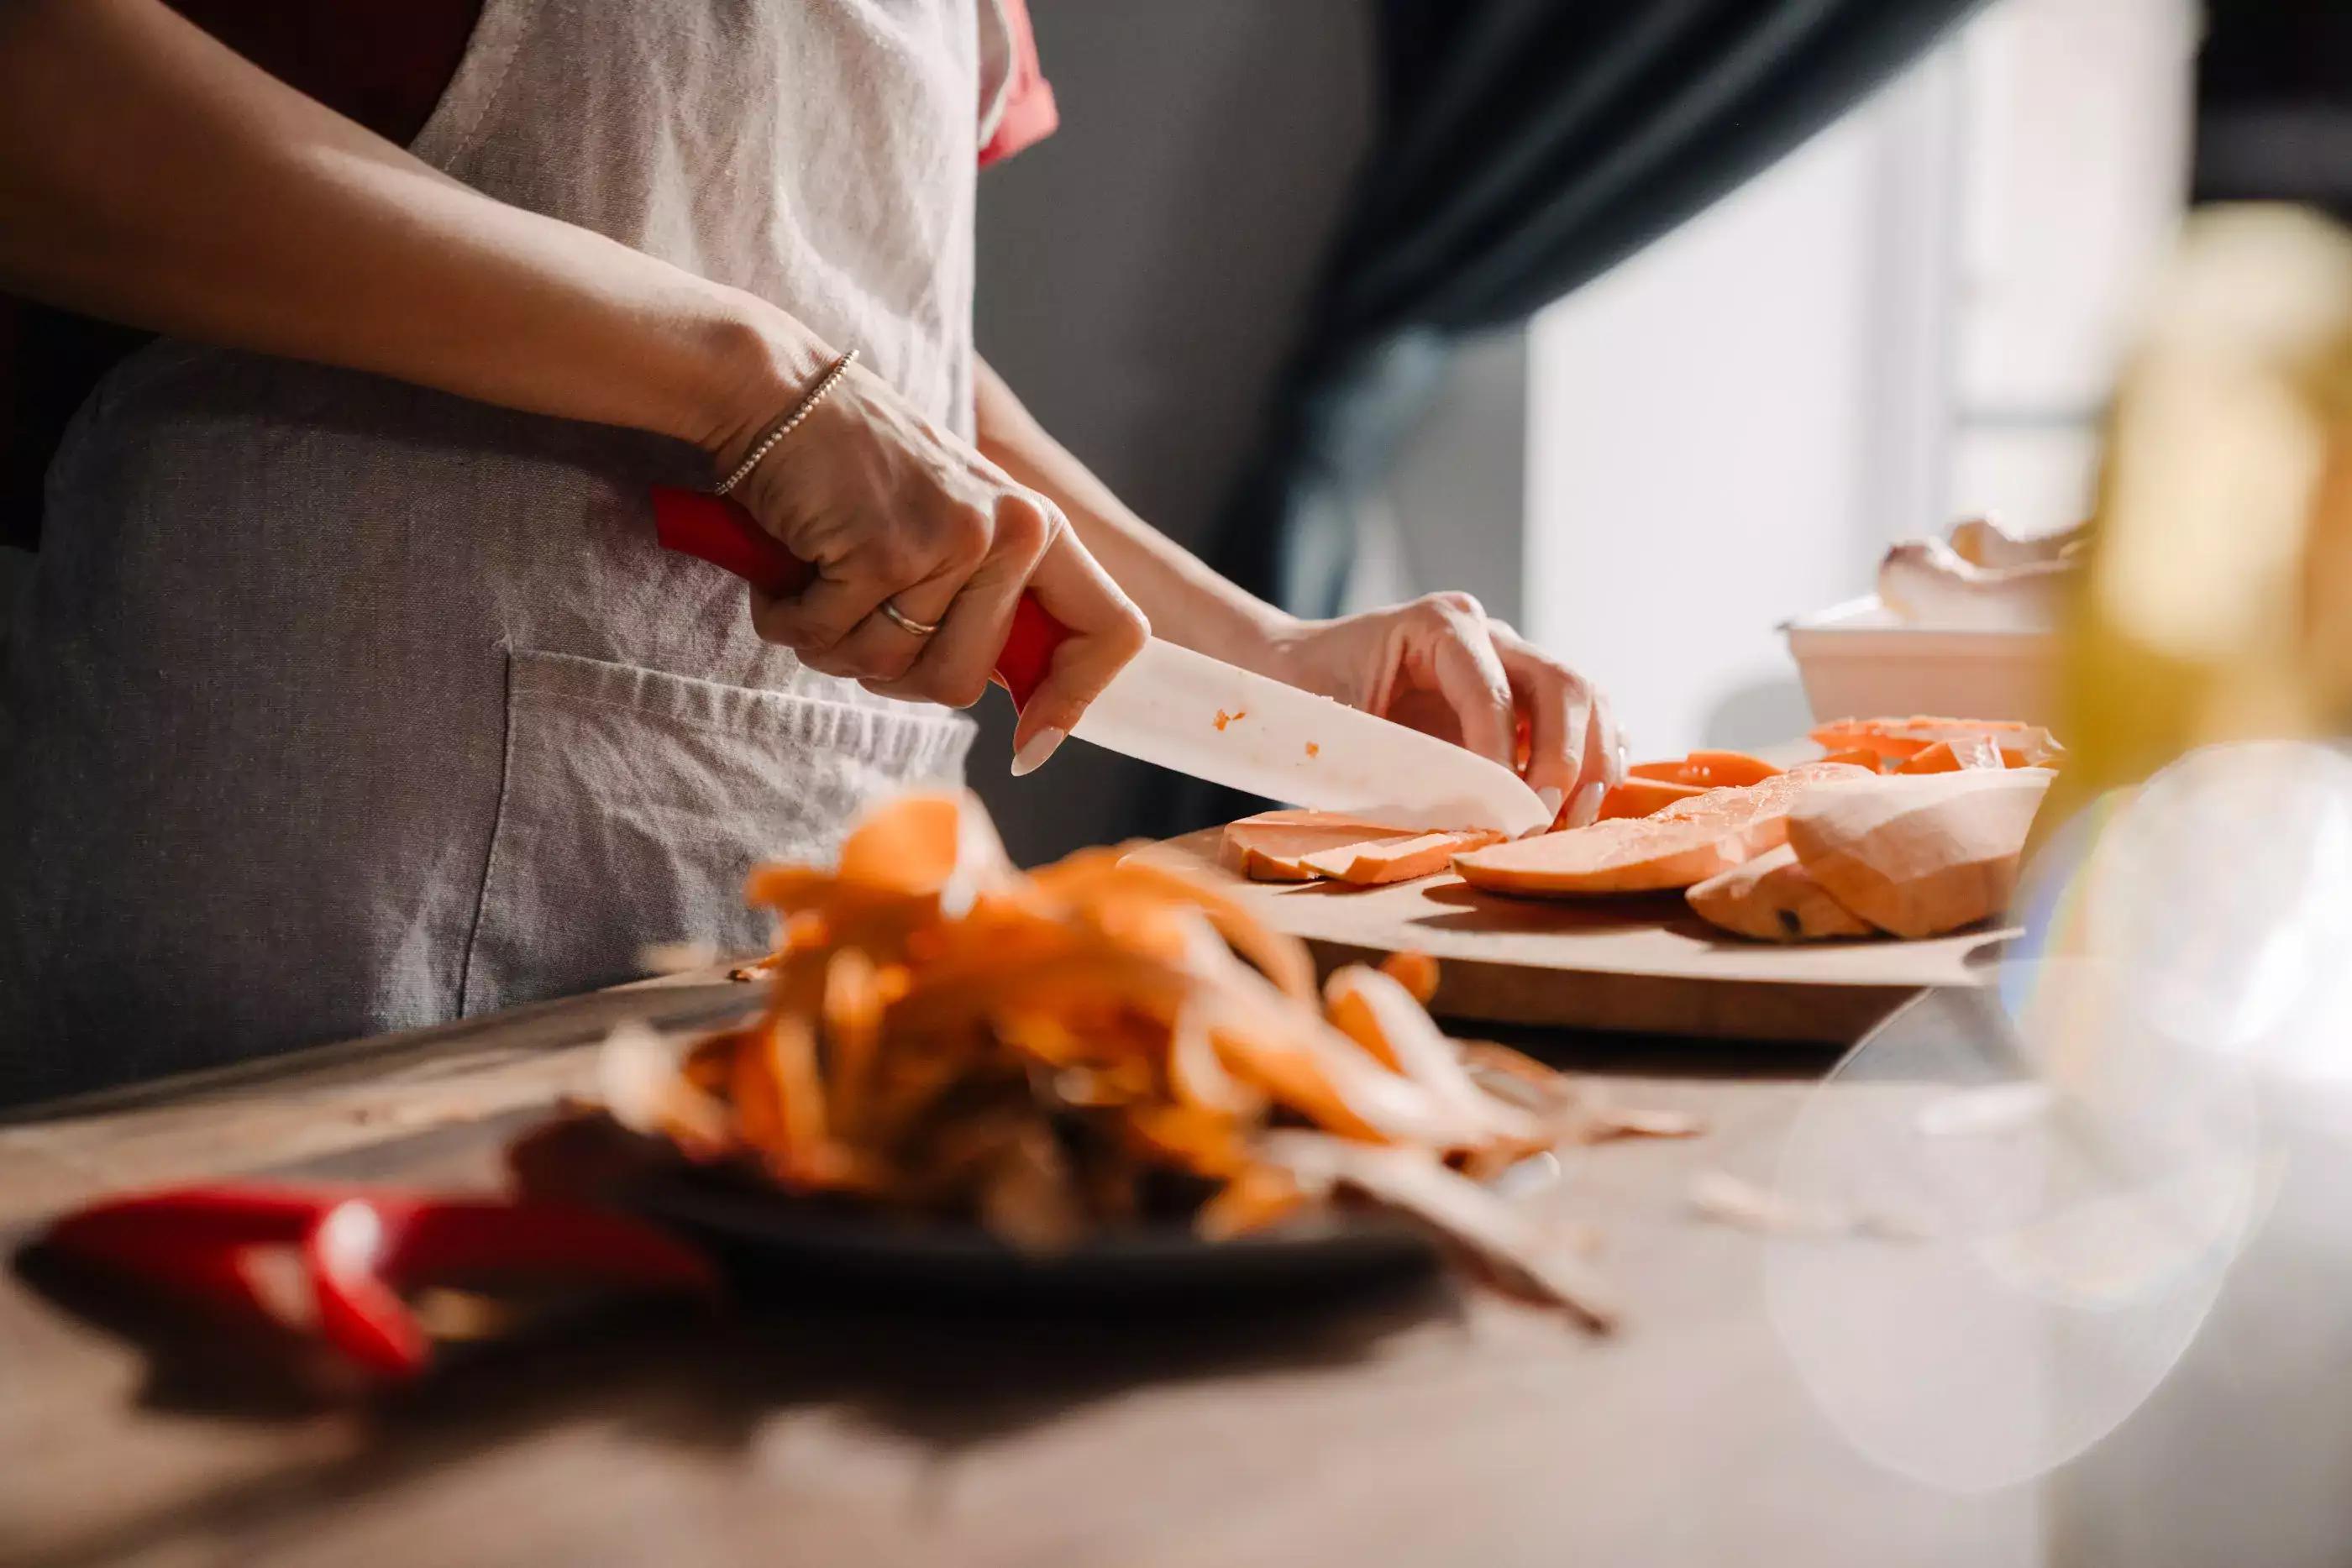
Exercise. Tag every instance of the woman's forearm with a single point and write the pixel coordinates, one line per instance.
(1186, 602)
(149, 175)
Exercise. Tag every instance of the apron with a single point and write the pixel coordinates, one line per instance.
(339, 705)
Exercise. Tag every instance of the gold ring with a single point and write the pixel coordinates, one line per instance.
(906, 622)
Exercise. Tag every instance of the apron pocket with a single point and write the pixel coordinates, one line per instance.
(634, 802)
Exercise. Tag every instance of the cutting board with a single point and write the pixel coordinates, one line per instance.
(1641, 964)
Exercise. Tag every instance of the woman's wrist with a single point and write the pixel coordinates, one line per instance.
(753, 362)
(1258, 636)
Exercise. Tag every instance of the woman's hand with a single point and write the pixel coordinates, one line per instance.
(891, 509)
(1441, 665)
(1437, 664)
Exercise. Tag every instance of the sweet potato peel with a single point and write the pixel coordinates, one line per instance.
(1100, 1043)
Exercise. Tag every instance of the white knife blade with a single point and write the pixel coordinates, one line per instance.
(1176, 708)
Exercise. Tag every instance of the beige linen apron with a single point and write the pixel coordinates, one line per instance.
(339, 705)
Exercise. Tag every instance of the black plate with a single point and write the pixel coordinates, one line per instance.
(770, 1243)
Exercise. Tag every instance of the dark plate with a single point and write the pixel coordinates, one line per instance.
(770, 1243)
(774, 1244)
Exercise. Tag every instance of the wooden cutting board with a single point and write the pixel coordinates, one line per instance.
(1641, 964)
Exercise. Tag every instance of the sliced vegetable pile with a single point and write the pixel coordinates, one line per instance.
(1908, 827)
(1097, 1043)
(1683, 842)
(1937, 745)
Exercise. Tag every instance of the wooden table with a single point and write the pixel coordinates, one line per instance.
(1433, 1426)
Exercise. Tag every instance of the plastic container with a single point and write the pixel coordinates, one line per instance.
(1858, 662)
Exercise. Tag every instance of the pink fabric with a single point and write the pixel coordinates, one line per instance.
(1029, 114)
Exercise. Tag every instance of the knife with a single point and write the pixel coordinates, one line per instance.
(1183, 710)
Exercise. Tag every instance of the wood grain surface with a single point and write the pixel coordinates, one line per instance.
(1641, 964)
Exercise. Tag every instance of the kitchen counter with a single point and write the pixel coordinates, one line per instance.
(1431, 1426)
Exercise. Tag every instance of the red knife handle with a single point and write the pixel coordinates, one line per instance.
(716, 529)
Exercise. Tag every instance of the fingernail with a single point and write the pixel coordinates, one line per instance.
(1588, 803)
(1551, 797)
(1036, 749)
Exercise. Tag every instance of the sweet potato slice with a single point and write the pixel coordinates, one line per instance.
(1773, 898)
(1727, 769)
(1900, 740)
(2031, 747)
(1957, 754)
(1688, 841)
(1281, 858)
(1782, 789)
(1301, 846)
(1374, 862)
(1858, 757)
(1920, 856)
(1628, 855)
(1639, 797)
(1706, 770)
(1276, 845)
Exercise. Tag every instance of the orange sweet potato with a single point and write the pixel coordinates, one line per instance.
(1773, 898)
(1900, 740)
(1706, 770)
(1302, 846)
(1638, 797)
(1957, 754)
(1726, 770)
(1921, 856)
(1374, 862)
(1277, 845)
(2030, 749)
(1686, 842)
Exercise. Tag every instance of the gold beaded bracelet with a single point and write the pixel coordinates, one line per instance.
(785, 426)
